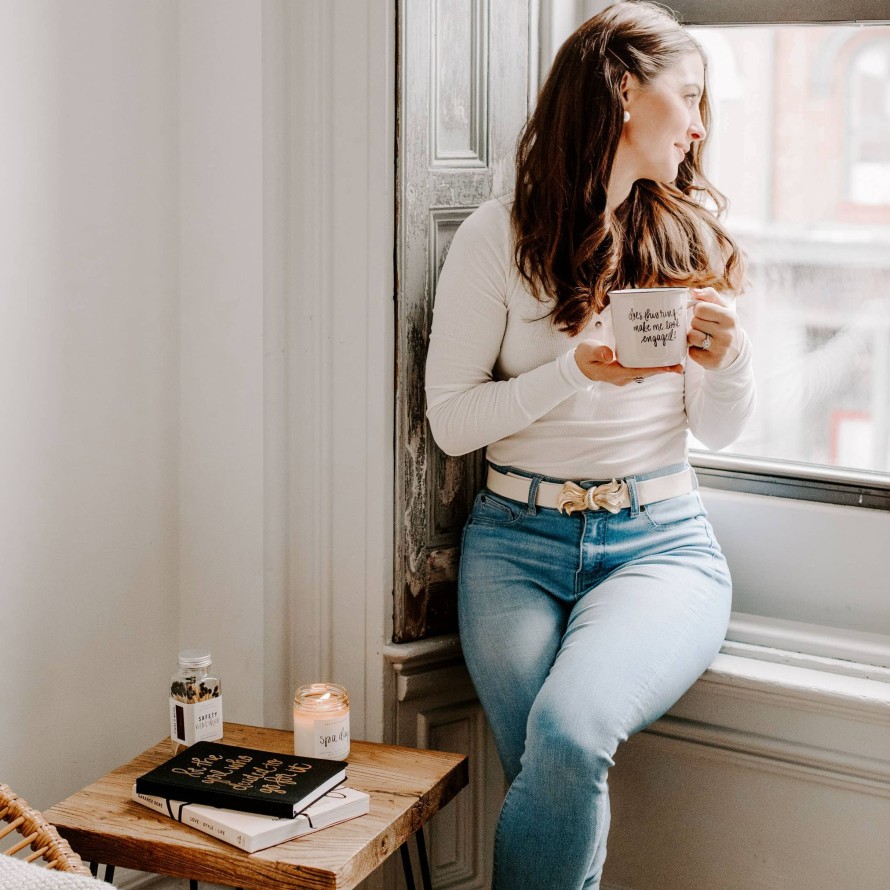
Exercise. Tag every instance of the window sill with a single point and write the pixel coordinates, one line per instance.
(823, 719)
(745, 665)
(813, 646)
(760, 710)
(758, 672)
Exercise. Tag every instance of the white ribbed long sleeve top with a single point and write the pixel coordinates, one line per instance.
(500, 375)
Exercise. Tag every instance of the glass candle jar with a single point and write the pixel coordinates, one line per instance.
(195, 701)
(321, 721)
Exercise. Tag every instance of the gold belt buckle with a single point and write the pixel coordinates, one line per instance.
(608, 496)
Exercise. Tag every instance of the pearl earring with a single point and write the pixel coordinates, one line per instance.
(626, 116)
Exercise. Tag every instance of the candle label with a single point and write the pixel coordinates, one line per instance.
(332, 738)
(199, 722)
(324, 738)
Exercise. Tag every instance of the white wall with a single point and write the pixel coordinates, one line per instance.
(286, 183)
(88, 385)
(221, 344)
(340, 114)
(196, 394)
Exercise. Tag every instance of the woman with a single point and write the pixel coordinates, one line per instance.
(583, 618)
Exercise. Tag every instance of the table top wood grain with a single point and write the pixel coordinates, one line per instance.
(407, 787)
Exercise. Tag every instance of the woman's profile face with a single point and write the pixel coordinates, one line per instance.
(665, 119)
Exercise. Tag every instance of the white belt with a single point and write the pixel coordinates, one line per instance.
(568, 497)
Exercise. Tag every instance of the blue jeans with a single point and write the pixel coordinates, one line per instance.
(579, 631)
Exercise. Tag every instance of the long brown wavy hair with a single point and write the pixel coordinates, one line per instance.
(570, 247)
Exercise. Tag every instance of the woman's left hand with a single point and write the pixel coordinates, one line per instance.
(713, 317)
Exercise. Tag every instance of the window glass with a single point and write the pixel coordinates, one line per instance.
(800, 144)
(869, 105)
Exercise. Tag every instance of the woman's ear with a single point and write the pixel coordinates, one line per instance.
(628, 83)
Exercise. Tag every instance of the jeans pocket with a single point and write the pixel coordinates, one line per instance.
(493, 509)
(673, 511)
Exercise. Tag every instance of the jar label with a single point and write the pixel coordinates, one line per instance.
(198, 722)
(320, 737)
(332, 738)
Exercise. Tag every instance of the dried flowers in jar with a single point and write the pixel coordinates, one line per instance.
(195, 701)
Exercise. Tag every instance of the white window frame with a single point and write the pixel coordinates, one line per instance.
(780, 12)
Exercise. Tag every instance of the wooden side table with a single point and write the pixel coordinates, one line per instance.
(407, 787)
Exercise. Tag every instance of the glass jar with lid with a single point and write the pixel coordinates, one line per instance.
(195, 700)
(321, 721)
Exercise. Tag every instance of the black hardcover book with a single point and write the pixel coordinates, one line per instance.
(245, 779)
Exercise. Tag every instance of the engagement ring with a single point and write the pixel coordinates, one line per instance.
(706, 343)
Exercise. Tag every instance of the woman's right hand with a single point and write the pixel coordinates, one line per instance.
(597, 362)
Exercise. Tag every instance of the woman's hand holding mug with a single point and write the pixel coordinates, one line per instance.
(597, 361)
(714, 325)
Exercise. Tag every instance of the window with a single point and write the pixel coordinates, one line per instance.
(800, 143)
(800, 146)
(791, 83)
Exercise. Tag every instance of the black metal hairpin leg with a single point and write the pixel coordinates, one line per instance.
(406, 866)
(109, 874)
(424, 863)
(109, 871)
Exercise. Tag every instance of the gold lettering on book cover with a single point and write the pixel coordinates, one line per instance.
(266, 777)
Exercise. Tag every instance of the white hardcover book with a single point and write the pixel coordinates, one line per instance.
(252, 832)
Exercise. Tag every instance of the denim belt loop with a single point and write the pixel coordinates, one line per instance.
(634, 495)
(533, 484)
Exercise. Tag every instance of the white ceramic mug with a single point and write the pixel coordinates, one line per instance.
(650, 325)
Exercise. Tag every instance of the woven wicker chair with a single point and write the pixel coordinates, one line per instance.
(35, 832)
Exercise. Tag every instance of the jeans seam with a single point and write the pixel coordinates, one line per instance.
(497, 835)
(714, 549)
(681, 642)
(579, 571)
